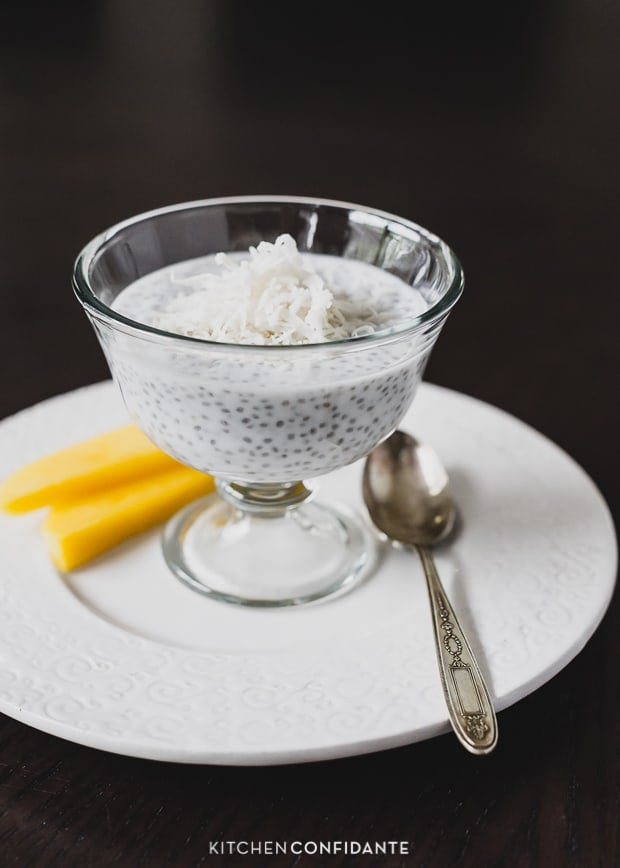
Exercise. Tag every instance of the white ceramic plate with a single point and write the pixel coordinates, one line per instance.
(120, 656)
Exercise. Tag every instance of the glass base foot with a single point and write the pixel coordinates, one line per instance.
(302, 555)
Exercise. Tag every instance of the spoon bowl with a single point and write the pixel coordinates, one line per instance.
(405, 489)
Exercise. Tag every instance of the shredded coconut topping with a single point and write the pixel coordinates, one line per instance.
(272, 297)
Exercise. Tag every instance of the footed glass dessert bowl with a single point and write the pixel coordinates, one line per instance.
(293, 356)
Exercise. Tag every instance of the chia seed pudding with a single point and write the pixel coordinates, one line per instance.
(269, 413)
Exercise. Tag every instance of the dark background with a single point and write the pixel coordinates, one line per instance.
(496, 126)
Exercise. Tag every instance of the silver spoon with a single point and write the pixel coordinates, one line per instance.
(405, 489)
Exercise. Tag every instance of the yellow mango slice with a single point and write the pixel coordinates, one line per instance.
(115, 457)
(77, 532)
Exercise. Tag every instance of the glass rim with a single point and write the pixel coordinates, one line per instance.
(103, 312)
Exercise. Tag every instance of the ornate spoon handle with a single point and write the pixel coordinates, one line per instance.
(471, 711)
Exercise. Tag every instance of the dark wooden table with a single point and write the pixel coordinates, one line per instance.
(495, 125)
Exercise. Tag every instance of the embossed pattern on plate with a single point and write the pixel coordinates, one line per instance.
(119, 657)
